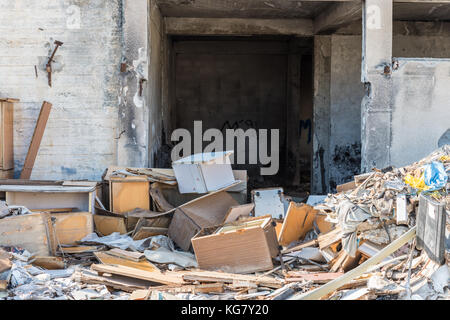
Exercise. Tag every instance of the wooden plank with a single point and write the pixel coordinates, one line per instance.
(143, 265)
(169, 278)
(117, 282)
(320, 277)
(49, 263)
(330, 238)
(31, 232)
(211, 276)
(346, 186)
(6, 136)
(72, 227)
(128, 255)
(36, 140)
(127, 196)
(107, 225)
(7, 174)
(298, 222)
(79, 249)
(312, 243)
(352, 274)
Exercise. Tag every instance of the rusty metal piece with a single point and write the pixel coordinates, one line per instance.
(50, 60)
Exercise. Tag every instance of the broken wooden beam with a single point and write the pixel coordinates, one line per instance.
(352, 274)
(36, 141)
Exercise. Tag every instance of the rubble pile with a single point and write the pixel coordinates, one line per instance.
(190, 234)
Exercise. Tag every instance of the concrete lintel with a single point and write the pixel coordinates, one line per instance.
(238, 26)
(338, 15)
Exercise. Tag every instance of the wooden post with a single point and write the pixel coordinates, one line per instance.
(36, 141)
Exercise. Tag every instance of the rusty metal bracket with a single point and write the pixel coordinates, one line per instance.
(50, 60)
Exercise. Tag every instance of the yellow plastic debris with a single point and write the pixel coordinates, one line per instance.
(417, 183)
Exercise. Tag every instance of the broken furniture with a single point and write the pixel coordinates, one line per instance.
(33, 232)
(7, 138)
(270, 201)
(36, 140)
(241, 247)
(45, 197)
(204, 172)
(204, 212)
(300, 219)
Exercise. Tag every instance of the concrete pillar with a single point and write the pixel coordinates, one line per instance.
(321, 117)
(376, 74)
(132, 148)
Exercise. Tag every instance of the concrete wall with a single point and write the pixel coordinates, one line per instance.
(421, 111)
(346, 93)
(80, 138)
(338, 92)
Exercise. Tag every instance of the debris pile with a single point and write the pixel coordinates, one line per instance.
(189, 234)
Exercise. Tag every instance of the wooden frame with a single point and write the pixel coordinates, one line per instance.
(42, 197)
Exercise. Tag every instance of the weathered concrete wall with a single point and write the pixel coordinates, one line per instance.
(346, 93)
(80, 138)
(337, 99)
(421, 112)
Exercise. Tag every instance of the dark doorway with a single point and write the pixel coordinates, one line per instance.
(247, 83)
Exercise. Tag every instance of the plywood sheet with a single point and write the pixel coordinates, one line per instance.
(72, 227)
(127, 196)
(31, 232)
(298, 222)
(112, 260)
(169, 278)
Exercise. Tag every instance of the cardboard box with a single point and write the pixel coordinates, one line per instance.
(241, 247)
(202, 173)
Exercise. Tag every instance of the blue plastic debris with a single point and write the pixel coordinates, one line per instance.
(435, 176)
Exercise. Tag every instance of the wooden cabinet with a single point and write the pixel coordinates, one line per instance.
(6, 136)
